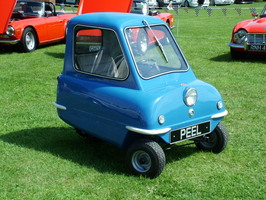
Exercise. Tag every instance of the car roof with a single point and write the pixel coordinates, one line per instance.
(113, 20)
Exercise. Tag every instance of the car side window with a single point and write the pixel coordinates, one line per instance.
(98, 52)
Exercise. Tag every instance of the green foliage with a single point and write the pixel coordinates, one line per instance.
(43, 158)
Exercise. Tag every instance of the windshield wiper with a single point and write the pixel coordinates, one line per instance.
(158, 42)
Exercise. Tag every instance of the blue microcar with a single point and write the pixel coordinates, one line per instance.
(126, 81)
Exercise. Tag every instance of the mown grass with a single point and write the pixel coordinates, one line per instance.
(43, 158)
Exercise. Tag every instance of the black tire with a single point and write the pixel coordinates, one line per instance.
(216, 141)
(147, 158)
(186, 4)
(28, 40)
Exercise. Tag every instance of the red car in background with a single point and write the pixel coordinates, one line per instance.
(31, 23)
(249, 36)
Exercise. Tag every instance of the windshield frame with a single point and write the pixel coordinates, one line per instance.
(20, 4)
(181, 56)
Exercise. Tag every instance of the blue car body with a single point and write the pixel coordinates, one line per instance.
(119, 111)
(126, 81)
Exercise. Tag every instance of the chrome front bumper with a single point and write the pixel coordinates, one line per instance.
(233, 45)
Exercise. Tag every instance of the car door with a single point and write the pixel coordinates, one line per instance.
(90, 95)
(55, 27)
(54, 23)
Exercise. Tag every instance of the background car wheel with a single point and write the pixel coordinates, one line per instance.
(147, 158)
(28, 41)
(216, 141)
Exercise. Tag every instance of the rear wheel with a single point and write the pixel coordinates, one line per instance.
(28, 40)
(147, 158)
(216, 141)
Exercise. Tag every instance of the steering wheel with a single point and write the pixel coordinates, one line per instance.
(148, 67)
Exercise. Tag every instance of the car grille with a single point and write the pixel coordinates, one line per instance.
(256, 38)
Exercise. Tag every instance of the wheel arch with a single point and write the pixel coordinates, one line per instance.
(36, 33)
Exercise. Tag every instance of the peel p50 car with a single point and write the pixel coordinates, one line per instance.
(31, 23)
(249, 36)
(141, 99)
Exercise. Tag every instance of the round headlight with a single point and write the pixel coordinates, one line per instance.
(240, 37)
(220, 105)
(161, 119)
(190, 97)
(10, 30)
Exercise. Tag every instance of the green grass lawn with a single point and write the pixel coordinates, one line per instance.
(43, 158)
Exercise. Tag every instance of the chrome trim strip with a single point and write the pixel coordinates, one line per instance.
(148, 132)
(241, 46)
(60, 106)
(219, 115)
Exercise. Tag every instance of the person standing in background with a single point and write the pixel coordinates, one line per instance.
(170, 7)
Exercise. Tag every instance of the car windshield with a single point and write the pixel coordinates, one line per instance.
(155, 51)
(29, 8)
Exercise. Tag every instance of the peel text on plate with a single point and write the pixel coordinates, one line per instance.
(189, 132)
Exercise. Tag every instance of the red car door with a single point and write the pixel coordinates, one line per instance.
(55, 28)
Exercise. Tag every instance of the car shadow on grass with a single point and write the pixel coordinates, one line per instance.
(7, 49)
(92, 153)
(55, 55)
(249, 58)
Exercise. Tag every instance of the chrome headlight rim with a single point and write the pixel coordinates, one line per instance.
(240, 37)
(190, 97)
(10, 30)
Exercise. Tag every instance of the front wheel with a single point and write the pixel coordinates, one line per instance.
(28, 40)
(216, 141)
(147, 158)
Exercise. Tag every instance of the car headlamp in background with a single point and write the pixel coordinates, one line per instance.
(10, 30)
(190, 97)
(240, 37)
